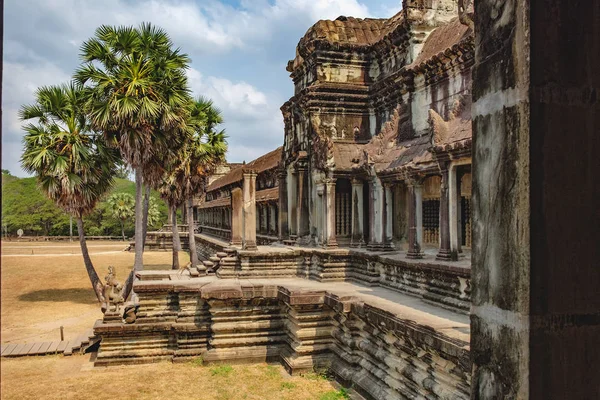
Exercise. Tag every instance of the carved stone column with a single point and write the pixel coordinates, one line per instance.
(375, 214)
(302, 215)
(282, 221)
(293, 203)
(330, 212)
(445, 253)
(357, 239)
(321, 215)
(249, 239)
(414, 239)
(387, 216)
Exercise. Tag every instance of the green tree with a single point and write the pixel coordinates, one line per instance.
(201, 154)
(121, 206)
(72, 164)
(137, 96)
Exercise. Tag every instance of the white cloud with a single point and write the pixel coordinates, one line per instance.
(42, 37)
(19, 85)
(253, 120)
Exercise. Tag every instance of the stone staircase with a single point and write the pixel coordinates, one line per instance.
(78, 345)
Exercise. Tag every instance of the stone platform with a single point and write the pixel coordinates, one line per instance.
(384, 343)
(443, 283)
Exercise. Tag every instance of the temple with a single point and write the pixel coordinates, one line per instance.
(429, 227)
(377, 147)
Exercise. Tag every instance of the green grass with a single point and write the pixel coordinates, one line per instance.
(316, 375)
(341, 394)
(288, 385)
(272, 371)
(197, 362)
(221, 370)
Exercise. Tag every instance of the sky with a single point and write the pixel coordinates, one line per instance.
(239, 51)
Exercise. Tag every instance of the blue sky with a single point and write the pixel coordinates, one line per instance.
(239, 50)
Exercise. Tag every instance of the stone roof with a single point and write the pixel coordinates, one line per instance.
(440, 40)
(262, 163)
(345, 31)
(220, 202)
(267, 194)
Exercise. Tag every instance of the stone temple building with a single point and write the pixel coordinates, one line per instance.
(429, 227)
(377, 147)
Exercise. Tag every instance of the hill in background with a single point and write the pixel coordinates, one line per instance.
(25, 207)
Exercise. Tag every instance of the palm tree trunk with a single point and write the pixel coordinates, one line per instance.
(176, 241)
(138, 264)
(192, 239)
(122, 229)
(89, 267)
(146, 208)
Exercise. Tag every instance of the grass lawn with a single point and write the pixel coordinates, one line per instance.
(49, 288)
(58, 377)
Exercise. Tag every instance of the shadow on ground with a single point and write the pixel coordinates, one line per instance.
(73, 295)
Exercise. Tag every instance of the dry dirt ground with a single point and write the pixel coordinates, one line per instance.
(45, 286)
(59, 377)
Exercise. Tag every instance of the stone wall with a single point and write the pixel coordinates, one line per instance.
(367, 347)
(440, 283)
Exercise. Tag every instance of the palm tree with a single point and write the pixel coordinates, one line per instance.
(172, 193)
(121, 206)
(137, 96)
(203, 152)
(73, 165)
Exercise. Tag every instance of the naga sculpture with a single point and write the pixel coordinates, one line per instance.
(112, 291)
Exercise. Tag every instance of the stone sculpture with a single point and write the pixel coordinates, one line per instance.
(112, 291)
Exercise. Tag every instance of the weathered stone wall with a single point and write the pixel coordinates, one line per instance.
(440, 283)
(208, 247)
(373, 350)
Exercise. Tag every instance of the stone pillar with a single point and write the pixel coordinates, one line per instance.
(330, 238)
(414, 239)
(454, 206)
(535, 315)
(321, 224)
(444, 252)
(293, 203)
(282, 220)
(374, 217)
(273, 219)
(302, 215)
(249, 194)
(357, 239)
(387, 216)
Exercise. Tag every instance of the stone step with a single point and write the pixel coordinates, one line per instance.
(221, 254)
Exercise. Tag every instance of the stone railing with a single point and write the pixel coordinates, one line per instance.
(220, 233)
(382, 354)
(439, 283)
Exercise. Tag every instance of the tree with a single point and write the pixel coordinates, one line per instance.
(72, 164)
(121, 206)
(137, 96)
(201, 154)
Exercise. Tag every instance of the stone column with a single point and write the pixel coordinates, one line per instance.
(454, 206)
(302, 215)
(357, 239)
(282, 221)
(444, 252)
(535, 316)
(414, 239)
(249, 239)
(330, 212)
(293, 203)
(387, 216)
(321, 224)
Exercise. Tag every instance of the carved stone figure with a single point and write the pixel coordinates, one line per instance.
(112, 291)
